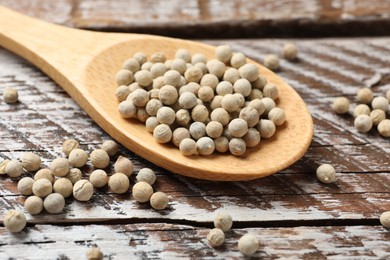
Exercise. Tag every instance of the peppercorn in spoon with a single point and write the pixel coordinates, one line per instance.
(84, 64)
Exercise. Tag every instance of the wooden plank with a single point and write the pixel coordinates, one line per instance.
(166, 241)
(217, 18)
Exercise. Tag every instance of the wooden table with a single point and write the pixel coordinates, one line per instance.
(292, 214)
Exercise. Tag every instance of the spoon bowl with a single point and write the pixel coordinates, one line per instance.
(84, 63)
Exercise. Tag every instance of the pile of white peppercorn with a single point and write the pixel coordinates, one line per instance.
(201, 105)
(48, 188)
(370, 111)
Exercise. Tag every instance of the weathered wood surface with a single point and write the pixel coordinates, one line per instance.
(292, 213)
(219, 18)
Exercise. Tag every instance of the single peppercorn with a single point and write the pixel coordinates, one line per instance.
(99, 158)
(25, 185)
(271, 61)
(59, 167)
(223, 221)
(94, 253)
(63, 186)
(340, 105)
(74, 175)
(119, 183)
(14, 221)
(363, 123)
(10, 95)
(45, 174)
(365, 96)
(380, 103)
(69, 145)
(82, 190)
(248, 244)
(326, 173)
(377, 116)
(142, 191)
(31, 162)
(33, 205)
(384, 128)
(54, 203)
(159, 200)
(162, 133)
(110, 147)
(216, 237)
(123, 165)
(14, 168)
(361, 109)
(42, 188)
(78, 158)
(290, 51)
(385, 219)
(187, 146)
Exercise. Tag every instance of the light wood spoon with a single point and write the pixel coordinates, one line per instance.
(84, 64)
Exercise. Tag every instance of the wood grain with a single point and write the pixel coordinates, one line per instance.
(217, 18)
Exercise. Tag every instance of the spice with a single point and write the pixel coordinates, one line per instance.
(31, 162)
(220, 115)
(340, 105)
(124, 77)
(162, 133)
(206, 94)
(266, 128)
(271, 91)
(54, 203)
(237, 60)
(187, 100)
(214, 129)
(187, 147)
(168, 95)
(159, 200)
(326, 173)
(363, 123)
(250, 115)
(209, 80)
(127, 109)
(74, 175)
(179, 134)
(142, 191)
(153, 106)
(365, 96)
(216, 237)
(59, 167)
(384, 128)
(216, 68)
(249, 71)
(221, 144)
(78, 158)
(290, 51)
(118, 183)
(380, 103)
(361, 109)
(143, 77)
(166, 115)
(99, 158)
(82, 190)
(94, 253)
(193, 74)
(25, 185)
(385, 219)
(45, 174)
(231, 75)
(223, 53)
(14, 168)
(33, 205)
(377, 116)
(123, 165)
(271, 61)
(182, 117)
(277, 116)
(269, 104)
(14, 221)
(172, 78)
(158, 69)
(251, 138)
(184, 55)
(242, 86)
(238, 127)
(110, 147)
(140, 57)
(3, 166)
(147, 175)
(69, 145)
(98, 178)
(223, 221)
(10, 95)
(42, 188)
(179, 65)
(131, 64)
(205, 145)
(197, 130)
(230, 103)
(223, 88)
(63, 186)
(198, 58)
(199, 113)
(248, 244)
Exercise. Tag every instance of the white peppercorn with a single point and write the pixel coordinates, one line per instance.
(3, 166)
(166, 115)
(223, 53)
(216, 102)
(110, 147)
(326, 173)
(250, 115)
(33, 205)
(269, 104)
(384, 128)
(179, 65)
(162, 133)
(230, 103)
(380, 103)
(377, 115)
(54, 203)
(221, 144)
(44, 174)
(133, 87)
(142, 115)
(187, 100)
(271, 91)
(198, 57)
(10, 95)
(206, 94)
(227, 134)
(31, 162)
(82, 190)
(142, 191)
(183, 117)
(209, 80)
(197, 130)
(205, 145)
(242, 86)
(259, 83)
(216, 237)
(249, 71)
(365, 96)
(158, 69)
(78, 158)
(139, 97)
(42, 188)
(94, 253)
(183, 54)
(361, 109)
(237, 60)
(214, 129)
(251, 138)
(143, 77)
(271, 61)
(69, 145)
(157, 57)
(224, 87)
(172, 77)
(385, 219)
(99, 158)
(238, 127)
(258, 105)
(98, 178)
(153, 106)
(248, 244)
(266, 128)
(73, 175)
(146, 175)
(363, 123)
(388, 95)
(237, 146)
(124, 77)
(131, 64)
(63, 186)
(200, 113)
(25, 185)
(59, 167)
(123, 165)
(187, 146)
(151, 123)
(147, 66)
(220, 115)
(14, 168)
(179, 134)
(290, 51)
(192, 87)
(157, 84)
(122, 92)
(216, 68)
(119, 183)
(168, 95)
(127, 109)
(140, 57)
(340, 105)
(223, 221)
(193, 74)
(14, 221)
(159, 200)
(277, 115)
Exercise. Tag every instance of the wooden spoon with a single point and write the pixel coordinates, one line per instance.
(84, 64)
